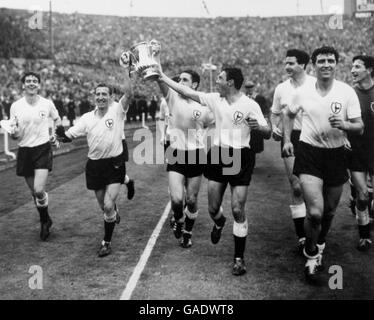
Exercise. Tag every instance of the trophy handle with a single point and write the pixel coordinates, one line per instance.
(132, 58)
(155, 50)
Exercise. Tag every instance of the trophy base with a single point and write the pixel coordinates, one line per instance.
(150, 74)
(151, 77)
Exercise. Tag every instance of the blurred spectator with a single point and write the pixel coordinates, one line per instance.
(71, 110)
(1, 111)
(142, 108)
(131, 113)
(84, 105)
(7, 103)
(257, 141)
(87, 47)
(153, 108)
(59, 105)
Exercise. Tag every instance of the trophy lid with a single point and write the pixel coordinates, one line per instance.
(138, 44)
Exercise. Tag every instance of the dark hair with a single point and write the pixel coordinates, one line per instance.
(104, 85)
(194, 76)
(30, 73)
(325, 50)
(175, 78)
(367, 60)
(236, 75)
(301, 56)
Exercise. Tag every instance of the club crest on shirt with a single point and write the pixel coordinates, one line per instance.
(372, 106)
(43, 115)
(336, 107)
(196, 114)
(238, 117)
(109, 123)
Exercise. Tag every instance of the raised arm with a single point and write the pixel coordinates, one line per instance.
(181, 89)
(127, 87)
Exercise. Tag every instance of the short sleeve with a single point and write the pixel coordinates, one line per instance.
(257, 114)
(209, 100)
(353, 107)
(79, 129)
(276, 108)
(53, 113)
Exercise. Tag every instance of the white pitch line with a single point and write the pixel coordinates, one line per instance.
(126, 294)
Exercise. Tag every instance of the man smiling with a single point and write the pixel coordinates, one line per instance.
(330, 108)
(105, 169)
(30, 116)
(235, 115)
(361, 157)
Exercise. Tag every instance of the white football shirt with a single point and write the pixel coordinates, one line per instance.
(283, 97)
(187, 123)
(104, 135)
(316, 130)
(232, 129)
(33, 120)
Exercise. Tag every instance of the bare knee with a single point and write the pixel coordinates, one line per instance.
(238, 213)
(108, 206)
(176, 204)
(362, 200)
(296, 190)
(191, 201)
(39, 192)
(214, 210)
(314, 216)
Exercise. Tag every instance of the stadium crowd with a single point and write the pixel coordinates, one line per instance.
(87, 47)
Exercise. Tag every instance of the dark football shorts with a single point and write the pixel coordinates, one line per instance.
(166, 145)
(295, 138)
(330, 165)
(361, 159)
(103, 172)
(125, 152)
(228, 165)
(29, 159)
(189, 163)
(257, 142)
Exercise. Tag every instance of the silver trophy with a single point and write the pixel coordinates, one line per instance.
(145, 59)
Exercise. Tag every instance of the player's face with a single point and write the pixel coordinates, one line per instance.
(359, 71)
(221, 84)
(325, 66)
(102, 97)
(249, 90)
(31, 85)
(186, 80)
(292, 67)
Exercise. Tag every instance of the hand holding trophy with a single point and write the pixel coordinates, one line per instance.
(125, 59)
(145, 56)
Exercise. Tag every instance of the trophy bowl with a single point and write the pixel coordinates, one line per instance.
(143, 59)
